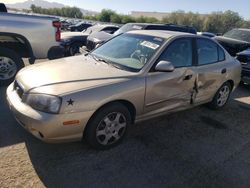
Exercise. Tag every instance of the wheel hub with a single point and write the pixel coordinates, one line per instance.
(111, 128)
(4, 67)
(8, 68)
(224, 94)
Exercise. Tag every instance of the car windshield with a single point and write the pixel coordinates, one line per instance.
(128, 27)
(238, 35)
(93, 29)
(129, 51)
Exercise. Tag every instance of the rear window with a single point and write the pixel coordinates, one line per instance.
(129, 27)
(237, 34)
(171, 28)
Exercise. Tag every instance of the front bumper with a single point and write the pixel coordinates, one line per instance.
(47, 127)
(90, 45)
(245, 75)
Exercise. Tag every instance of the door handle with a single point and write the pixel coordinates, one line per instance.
(188, 77)
(223, 71)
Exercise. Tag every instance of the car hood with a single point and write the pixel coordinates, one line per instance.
(100, 36)
(231, 45)
(69, 74)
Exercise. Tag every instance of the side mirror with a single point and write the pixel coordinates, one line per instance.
(164, 66)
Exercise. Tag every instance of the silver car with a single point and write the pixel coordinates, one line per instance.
(133, 77)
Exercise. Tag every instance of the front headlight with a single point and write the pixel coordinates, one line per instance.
(44, 103)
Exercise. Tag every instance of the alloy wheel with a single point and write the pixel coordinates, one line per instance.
(111, 128)
(8, 68)
(223, 95)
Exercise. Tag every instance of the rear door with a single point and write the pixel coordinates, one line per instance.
(170, 90)
(211, 69)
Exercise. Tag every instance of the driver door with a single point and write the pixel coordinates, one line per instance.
(166, 91)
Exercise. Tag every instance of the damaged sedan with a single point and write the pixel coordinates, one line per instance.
(133, 77)
(237, 43)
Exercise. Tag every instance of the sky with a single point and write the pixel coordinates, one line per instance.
(126, 6)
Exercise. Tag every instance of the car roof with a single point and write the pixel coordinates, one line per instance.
(160, 33)
(104, 25)
(243, 29)
(143, 24)
(169, 27)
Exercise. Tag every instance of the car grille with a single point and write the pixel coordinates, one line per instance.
(90, 45)
(19, 90)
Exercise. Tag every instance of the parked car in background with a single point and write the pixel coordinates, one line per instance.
(72, 41)
(206, 34)
(237, 43)
(132, 77)
(26, 36)
(79, 26)
(98, 38)
(64, 24)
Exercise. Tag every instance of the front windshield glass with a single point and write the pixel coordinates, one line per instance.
(128, 27)
(129, 51)
(80, 23)
(238, 35)
(93, 29)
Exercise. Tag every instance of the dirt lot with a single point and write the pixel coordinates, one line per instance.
(194, 148)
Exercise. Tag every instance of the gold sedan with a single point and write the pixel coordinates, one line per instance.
(133, 77)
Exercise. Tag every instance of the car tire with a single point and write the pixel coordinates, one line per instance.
(10, 64)
(108, 126)
(74, 49)
(221, 97)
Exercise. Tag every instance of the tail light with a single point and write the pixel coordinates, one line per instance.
(57, 25)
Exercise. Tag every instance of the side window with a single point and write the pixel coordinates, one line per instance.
(208, 52)
(155, 27)
(221, 54)
(150, 27)
(179, 53)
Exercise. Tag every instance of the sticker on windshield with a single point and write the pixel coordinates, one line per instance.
(150, 45)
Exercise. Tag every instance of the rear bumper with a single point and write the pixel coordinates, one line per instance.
(56, 52)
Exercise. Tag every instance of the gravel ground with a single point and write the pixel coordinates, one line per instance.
(193, 148)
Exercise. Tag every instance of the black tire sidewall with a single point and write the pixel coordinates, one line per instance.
(90, 131)
(4, 52)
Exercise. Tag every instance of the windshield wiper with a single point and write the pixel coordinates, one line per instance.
(93, 56)
(105, 61)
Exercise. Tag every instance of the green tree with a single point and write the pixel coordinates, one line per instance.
(127, 19)
(72, 12)
(216, 22)
(115, 18)
(105, 15)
